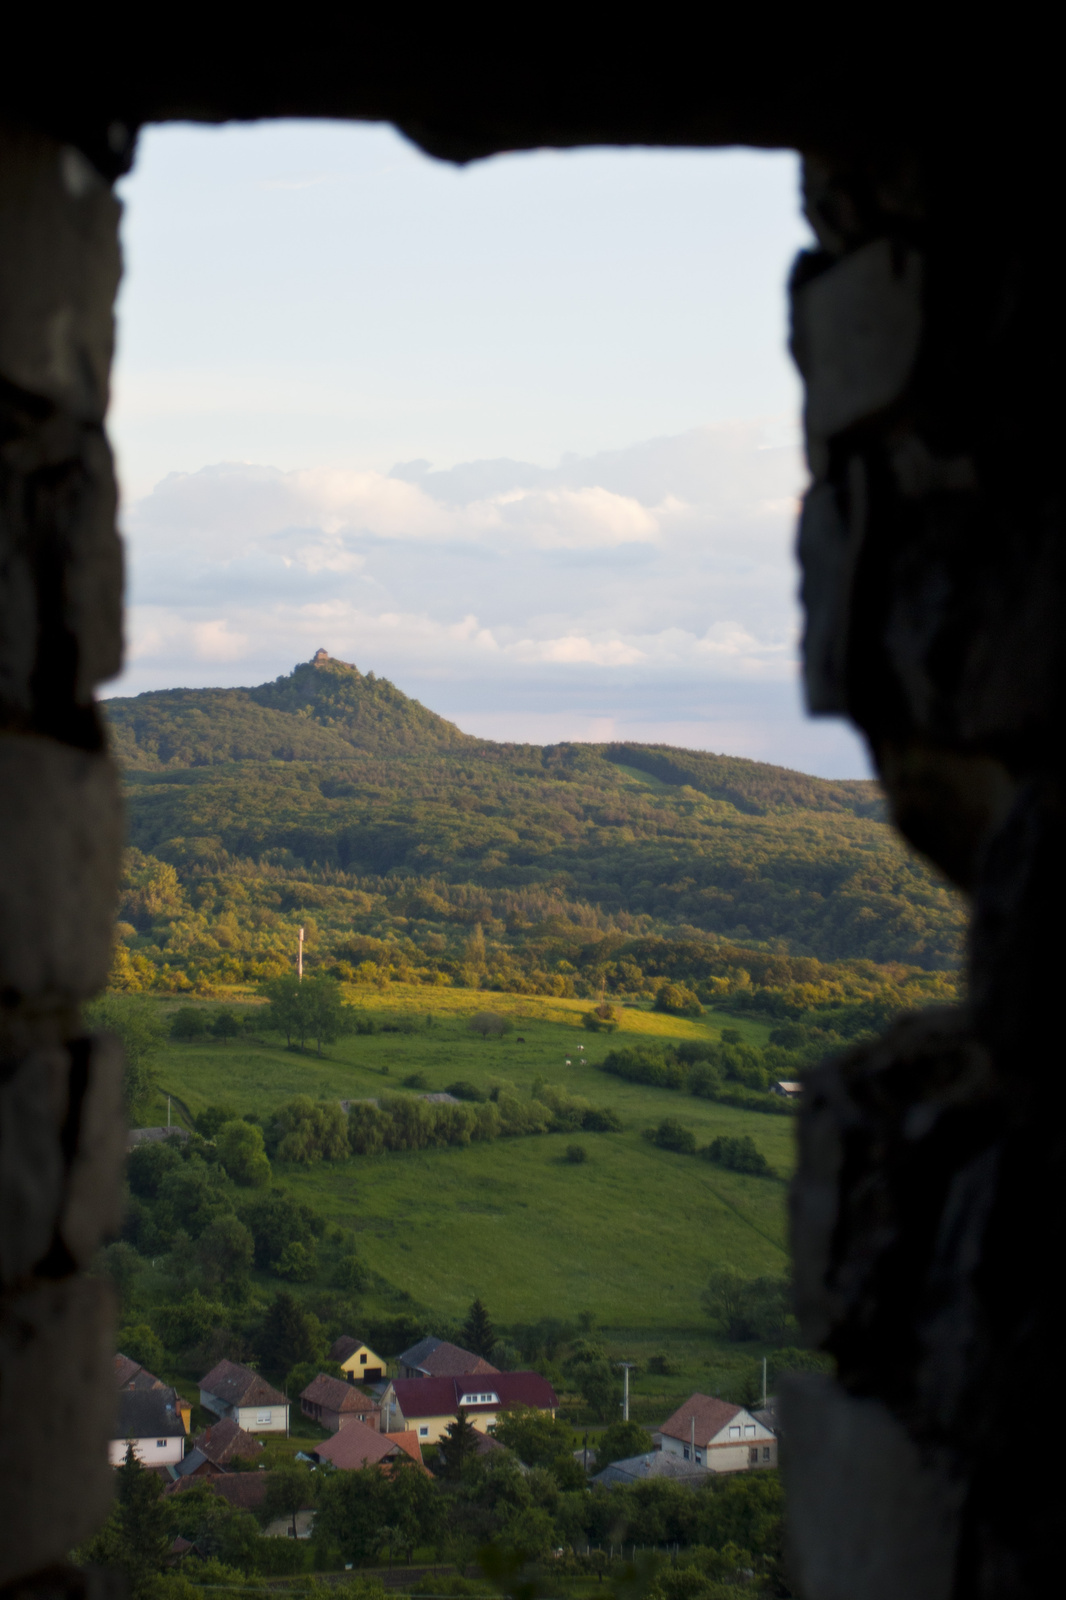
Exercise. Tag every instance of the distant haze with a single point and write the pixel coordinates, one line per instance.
(520, 437)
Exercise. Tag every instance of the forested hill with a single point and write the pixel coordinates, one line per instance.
(330, 797)
(322, 711)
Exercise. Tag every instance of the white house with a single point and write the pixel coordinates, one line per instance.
(230, 1390)
(721, 1437)
(152, 1417)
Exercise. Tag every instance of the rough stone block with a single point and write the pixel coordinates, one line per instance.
(856, 329)
(33, 1105)
(61, 842)
(828, 551)
(59, 272)
(57, 1403)
(869, 1515)
(92, 1208)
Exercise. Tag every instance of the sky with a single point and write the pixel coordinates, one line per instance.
(521, 436)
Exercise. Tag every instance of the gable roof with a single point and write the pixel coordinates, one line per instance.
(193, 1462)
(450, 1361)
(357, 1446)
(125, 1369)
(148, 1414)
(346, 1346)
(711, 1415)
(240, 1386)
(418, 1352)
(245, 1491)
(656, 1464)
(337, 1395)
(223, 1441)
(442, 1397)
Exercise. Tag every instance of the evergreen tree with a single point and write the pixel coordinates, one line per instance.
(143, 1522)
(478, 1332)
(457, 1447)
(290, 1335)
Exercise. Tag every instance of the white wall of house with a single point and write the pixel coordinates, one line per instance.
(262, 1419)
(152, 1452)
(253, 1419)
(731, 1449)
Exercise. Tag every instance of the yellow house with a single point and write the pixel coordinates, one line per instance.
(428, 1406)
(356, 1360)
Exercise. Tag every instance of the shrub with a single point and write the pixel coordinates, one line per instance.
(576, 1154)
(305, 1131)
(225, 1026)
(188, 1023)
(490, 1025)
(465, 1091)
(240, 1150)
(671, 1135)
(416, 1080)
(738, 1154)
(602, 1019)
(678, 1001)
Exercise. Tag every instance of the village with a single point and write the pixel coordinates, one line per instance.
(400, 1410)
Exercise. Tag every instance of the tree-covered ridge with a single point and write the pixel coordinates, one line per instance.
(395, 853)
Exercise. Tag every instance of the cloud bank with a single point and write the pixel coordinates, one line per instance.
(634, 591)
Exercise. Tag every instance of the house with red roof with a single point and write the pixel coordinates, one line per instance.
(230, 1390)
(718, 1436)
(428, 1406)
(333, 1403)
(356, 1446)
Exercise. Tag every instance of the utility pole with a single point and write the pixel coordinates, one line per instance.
(625, 1366)
(300, 955)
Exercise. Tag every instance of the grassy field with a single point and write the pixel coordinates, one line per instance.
(629, 1235)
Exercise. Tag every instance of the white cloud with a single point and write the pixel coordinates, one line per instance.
(637, 590)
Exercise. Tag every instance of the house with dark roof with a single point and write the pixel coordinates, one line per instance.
(357, 1446)
(437, 1358)
(216, 1448)
(714, 1434)
(656, 1464)
(356, 1360)
(333, 1404)
(225, 1442)
(430, 1405)
(152, 1416)
(230, 1390)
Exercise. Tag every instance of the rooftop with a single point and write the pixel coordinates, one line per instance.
(337, 1395)
(240, 1386)
(711, 1416)
(442, 1397)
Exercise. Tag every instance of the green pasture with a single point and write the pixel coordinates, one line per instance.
(629, 1235)
(255, 1076)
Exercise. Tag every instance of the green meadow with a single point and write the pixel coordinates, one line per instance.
(628, 1236)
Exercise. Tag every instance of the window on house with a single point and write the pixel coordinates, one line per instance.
(423, 1433)
(699, 1459)
(749, 1430)
(734, 1433)
(766, 1452)
(161, 1444)
(362, 1359)
(262, 1418)
(753, 1455)
(686, 1453)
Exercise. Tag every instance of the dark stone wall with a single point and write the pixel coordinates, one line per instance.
(929, 1184)
(927, 324)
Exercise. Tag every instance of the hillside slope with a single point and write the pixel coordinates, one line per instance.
(331, 791)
